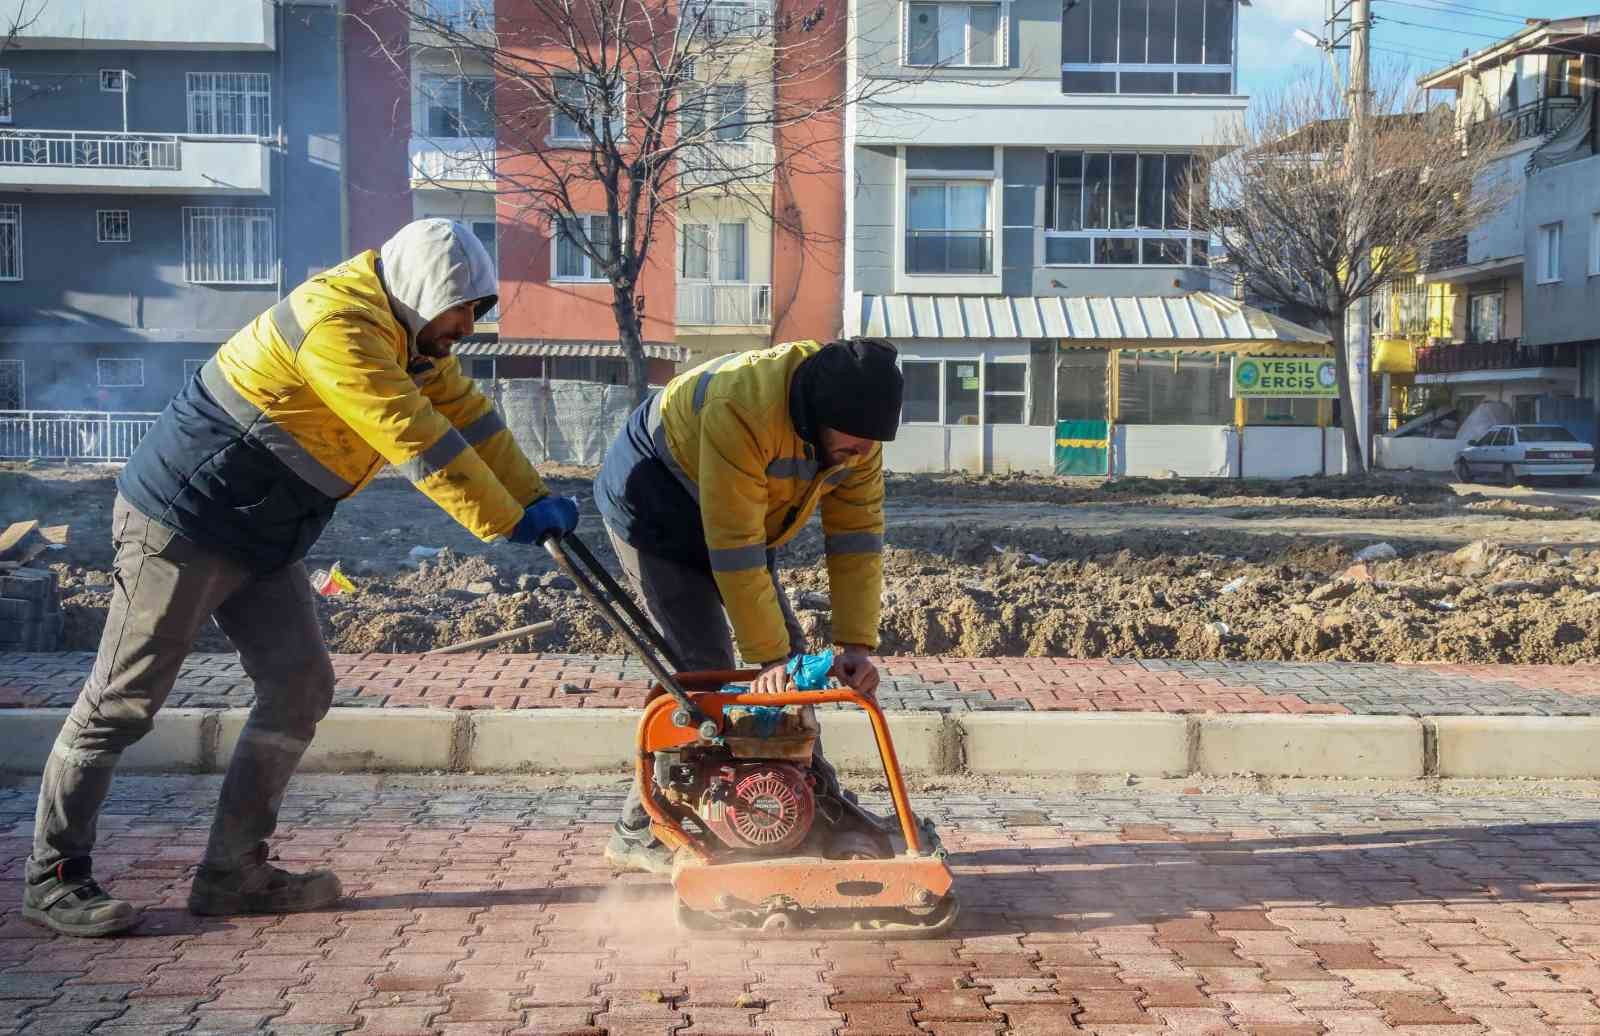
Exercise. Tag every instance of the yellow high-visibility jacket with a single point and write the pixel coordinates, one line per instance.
(310, 401)
(725, 431)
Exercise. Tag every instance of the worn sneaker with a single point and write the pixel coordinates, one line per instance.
(629, 851)
(260, 888)
(68, 900)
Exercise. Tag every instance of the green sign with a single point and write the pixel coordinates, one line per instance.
(1284, 377)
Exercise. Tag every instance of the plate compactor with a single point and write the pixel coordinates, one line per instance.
(766, 843)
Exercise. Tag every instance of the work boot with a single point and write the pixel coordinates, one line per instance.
(68, 900)
(630, 850)
(260, 888)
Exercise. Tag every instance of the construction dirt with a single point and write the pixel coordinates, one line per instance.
(983, 566)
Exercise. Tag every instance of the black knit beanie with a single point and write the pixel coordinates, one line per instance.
(852, 386)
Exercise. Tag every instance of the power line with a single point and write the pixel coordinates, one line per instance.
(1449, 7)
(1445, 28)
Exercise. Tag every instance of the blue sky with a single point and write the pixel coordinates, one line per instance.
(1269, 55)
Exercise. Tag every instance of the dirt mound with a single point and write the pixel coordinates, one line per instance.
(1040, 489)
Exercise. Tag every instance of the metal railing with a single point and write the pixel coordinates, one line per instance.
(71, 148)
(724, 304)
(71, 434)
(1540, 118)
(731, 17)
(727, 161)
(949, 251)
(1506, 354)
(467, 159)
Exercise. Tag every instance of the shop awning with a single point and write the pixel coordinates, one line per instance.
(539, 347)
(1198, 321)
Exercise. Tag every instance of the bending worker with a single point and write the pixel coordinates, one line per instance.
(221, 501)
(715, 472)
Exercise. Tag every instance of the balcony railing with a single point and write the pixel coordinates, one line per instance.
(731, 17)
(1446, 255)
(950, 251)
(70, 148)
(725, 304)
(457, 160)
(1506, 354)
(1540, 118)
(728, 161)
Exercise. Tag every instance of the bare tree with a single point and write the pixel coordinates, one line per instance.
(633, 109)
(1306, 221)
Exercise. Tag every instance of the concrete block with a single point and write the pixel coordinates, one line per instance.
(922, 741)
(1516, 746)
(1144, 744)
(572, 740)
(1311, 746)
(363, 740)
(173, 745)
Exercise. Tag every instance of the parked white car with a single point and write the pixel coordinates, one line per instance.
(1512, 451)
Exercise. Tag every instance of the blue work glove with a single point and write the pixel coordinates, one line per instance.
(548, 514)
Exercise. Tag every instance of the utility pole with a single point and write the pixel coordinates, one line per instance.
(1358, 336)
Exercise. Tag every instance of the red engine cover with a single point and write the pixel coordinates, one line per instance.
(765, 807)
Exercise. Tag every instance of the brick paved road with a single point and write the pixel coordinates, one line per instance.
(937, 684)
(479, 907)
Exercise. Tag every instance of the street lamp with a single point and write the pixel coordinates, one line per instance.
(1311, 39)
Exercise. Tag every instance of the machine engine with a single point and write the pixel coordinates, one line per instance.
(763, 807)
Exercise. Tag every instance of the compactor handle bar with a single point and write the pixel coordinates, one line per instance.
(607, 596)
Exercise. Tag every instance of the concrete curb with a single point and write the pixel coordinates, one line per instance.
(998, 743)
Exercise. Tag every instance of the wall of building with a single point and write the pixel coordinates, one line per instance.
(1502, 236)
(1569, 310)
(66, 375)
(376, 93)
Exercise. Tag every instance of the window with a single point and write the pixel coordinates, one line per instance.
(457, 15)
(12, 384)
(120, 373)
(1147, 47)
(5, 95)
(114, 227)
(1483, 316)
(484, 231)
(580, 95)
(961, 384)
(480, 368)
(1270, 411)
(717, 18)
(920, 394)
(954, 34)
(1401, 307)
(1137, 196)
(10, 242)
(232, 103)
(606, 370)
(948, 227)
(719, 108)
(1550, 253)
(191, 368)
(1594, 245)
(111, 80)
(718, 252)
(571, 262)
(456, 107)
(1005, 392)
(229, 246)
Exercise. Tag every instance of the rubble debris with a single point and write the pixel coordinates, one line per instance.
(1378, 552)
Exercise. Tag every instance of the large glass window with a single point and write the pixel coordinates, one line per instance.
(1122, 209)
(719, 107)
(1005, 392)
(455, 107)
(1483, 316)
(947, 227)
(581, 94)
(229, 246)
(234, 103)
(920, 398)
(953, 34)
(1163, 388)
(572, 262)
(961, 391)
(1147, 46)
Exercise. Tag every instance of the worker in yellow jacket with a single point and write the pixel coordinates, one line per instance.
(349, 374)
(713, 474)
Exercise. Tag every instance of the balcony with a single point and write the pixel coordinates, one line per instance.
(725, 305)
(466, 162)
(728, 162)
(132, 163)
(731, 17)
(1487, 359)
(1540, 118)
(149, 25)
(950, 251)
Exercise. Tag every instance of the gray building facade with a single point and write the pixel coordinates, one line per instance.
(167, 172)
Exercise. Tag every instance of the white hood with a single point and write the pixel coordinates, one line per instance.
(432, 265)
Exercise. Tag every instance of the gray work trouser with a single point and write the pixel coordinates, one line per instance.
(164, 588)
(686, 606)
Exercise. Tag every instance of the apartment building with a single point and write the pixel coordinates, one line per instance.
(167, 172)
(1016, 229)
(1513, 308)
